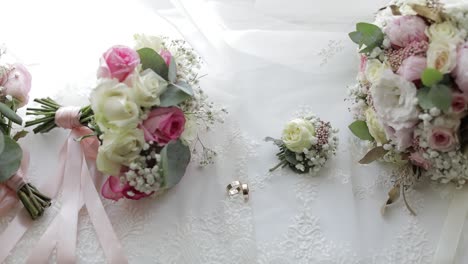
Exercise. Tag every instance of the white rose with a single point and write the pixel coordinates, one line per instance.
(190, 130)
(113, 105)
(148, 87)
(298, 135)
(395, 102)
(375, 127)
(374, 70)
(445, 32)
(144, 41)
(442, 56)
(117, 149)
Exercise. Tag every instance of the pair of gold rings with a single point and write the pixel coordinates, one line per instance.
(236, 187)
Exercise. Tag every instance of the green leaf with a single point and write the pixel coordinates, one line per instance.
(360, 130)
(175, 158)
(441, 97)
(290, 157)
(10, 159)
(10, 114)
(184, 87)
(277, 142)
(173, 96)
(2, 142)
(150, 59)
(430, 77)
(356, 37)
(367, 34)
(20, 134)
(373, 155)
(172, 73)
(423, 98)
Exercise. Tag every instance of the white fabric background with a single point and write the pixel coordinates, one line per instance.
(266, 59)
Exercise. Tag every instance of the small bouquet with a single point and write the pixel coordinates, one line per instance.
(306, 145)
(410, 101)
(15, 84)
(145, 110)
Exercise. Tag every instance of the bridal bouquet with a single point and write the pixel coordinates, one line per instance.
(15, 84)
(146, 110)
(410, 101)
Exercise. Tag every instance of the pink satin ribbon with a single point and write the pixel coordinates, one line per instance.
(78, 189)
(8, 197)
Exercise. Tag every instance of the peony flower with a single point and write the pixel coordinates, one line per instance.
(412, 68)
(458, 103)
(113, 106)
(118, 62)
(395, 102)
(113, 189)
(17, 83)
(402, 138)
(117, 149)
(442, 56)
(405, 29)
(375, 127)
(445, 32)
(442, 139)
(461, 70)
(148, 88)
(417, 159)
(163, 125)
(298, 135)
(166, 55)
(144, 41)
(374, 70)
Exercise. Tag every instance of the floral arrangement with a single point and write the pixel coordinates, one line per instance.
(147, 110)
(306, 145)
(410, 102)
(15, 84)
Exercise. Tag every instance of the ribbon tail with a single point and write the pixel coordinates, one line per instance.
(105, 233)
(452, 229)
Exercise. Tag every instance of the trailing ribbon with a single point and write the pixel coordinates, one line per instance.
(76, 181)
(452, 229)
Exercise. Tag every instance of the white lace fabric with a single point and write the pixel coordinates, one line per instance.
(264, 64)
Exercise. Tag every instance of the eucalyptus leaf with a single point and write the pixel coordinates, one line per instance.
(184, 87)
(173, 96)
(150, 59)
(367, 34)
(441, 97)
(277, 142)
(290, 157)
(373, 155)
(10, 159)
(172, 73)
(10, 114)
(20, 134)
(430, 77)
(423, 98)
(175, 157)
(393, 195)
(2, 143)
(360, 130)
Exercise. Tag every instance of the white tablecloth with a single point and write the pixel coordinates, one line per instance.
(267, 60)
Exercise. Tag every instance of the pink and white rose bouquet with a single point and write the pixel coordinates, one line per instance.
(410, 102)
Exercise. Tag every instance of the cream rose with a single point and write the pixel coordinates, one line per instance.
(298, 135)
(147, 88)
(190, 130)
(144, 41)
(117, 149)
(444, 32)
(442, 56)
(113, 106)
(374, 69)
(375, 127)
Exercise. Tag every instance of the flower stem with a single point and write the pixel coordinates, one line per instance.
(282, 163)
(34, 201)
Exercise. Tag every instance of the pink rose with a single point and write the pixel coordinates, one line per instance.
(17, 84)
(166, 55)
(113, 189)
(461, 70)
(163, 125)
(442, 139)
(405, 29)
(118, 62)
(418, 160)
(458, 103)
(412, 68)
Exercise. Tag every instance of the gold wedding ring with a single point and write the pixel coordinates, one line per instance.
(233, 188)
(245, 191)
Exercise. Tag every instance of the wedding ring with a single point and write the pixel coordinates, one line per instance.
(245, 191)
(233, 188)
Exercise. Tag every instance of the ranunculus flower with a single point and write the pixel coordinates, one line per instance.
(17, 83)
(145, 41)
(395, 102)
(166, 55)
(113, 189)
(298, 135)
(445, 32)
(442, 56)
(163, 125)
(405, 29)
(113, 106)
(118, 62)
(412, 68)
(375, 127)
(148, 87)
(458, 103)
(461, 70)
(417, 159)
(119, 148)
(442, 139)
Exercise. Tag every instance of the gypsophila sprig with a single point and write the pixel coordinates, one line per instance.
(306, 145)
